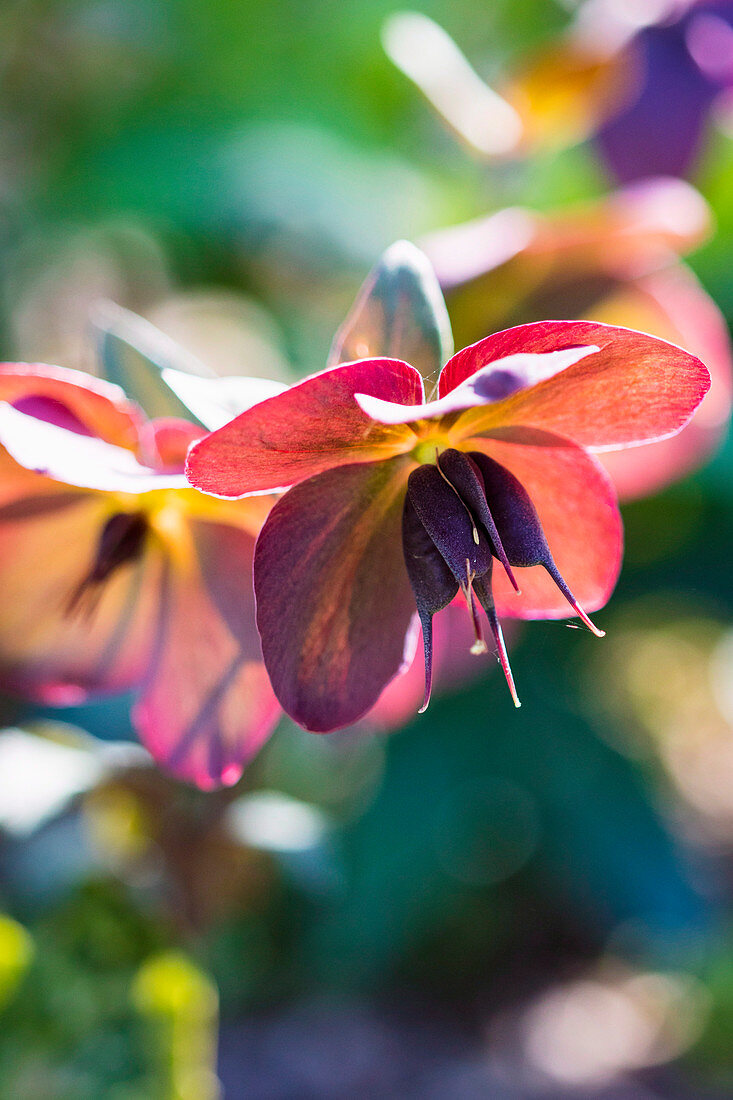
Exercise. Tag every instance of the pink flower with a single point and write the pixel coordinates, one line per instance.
(116, 575)
(398, 503)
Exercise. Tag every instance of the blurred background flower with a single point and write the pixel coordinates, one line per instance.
(616, 260)
(120, 575)
(531, 904)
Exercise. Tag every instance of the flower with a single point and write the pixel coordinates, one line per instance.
(642, 81)
(621, 80)
(398, 503)
(117, 575)
(614, 260)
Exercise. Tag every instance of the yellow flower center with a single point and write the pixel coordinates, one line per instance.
(427, 450)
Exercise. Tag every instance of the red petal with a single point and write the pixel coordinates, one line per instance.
(314, 426)
(207, 706)
(579, 514)
(165, 442)
(635, 388)
(101, 407)
(333, 600)
(47, 544)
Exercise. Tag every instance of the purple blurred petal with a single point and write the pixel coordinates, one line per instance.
(660, 131)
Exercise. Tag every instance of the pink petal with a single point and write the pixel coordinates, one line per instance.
(50, 649)
(75, 459)
(428, 56)
(577, 507)
(673, 305)
(314, 426)
(99, 406)
(334, 604)
(207, 705)
(637, 388)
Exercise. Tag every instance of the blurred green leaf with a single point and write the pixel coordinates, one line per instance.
(473, 795)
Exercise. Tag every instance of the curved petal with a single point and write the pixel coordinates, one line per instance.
(673, 305)
(99, 408)
(428, 56)
(314, 426)
(580, 518)
(636, 388)
(333, 600)
(207, 705)
(54, 647)
(75, 459)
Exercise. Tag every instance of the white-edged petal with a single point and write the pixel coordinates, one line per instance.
(75, 459)
(494, 382)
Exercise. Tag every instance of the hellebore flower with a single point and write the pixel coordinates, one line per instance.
(614, 260)
(398, 503)
(116, 575)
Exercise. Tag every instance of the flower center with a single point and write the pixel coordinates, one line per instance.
(428, 450)
(121, 541)
(461, 512)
